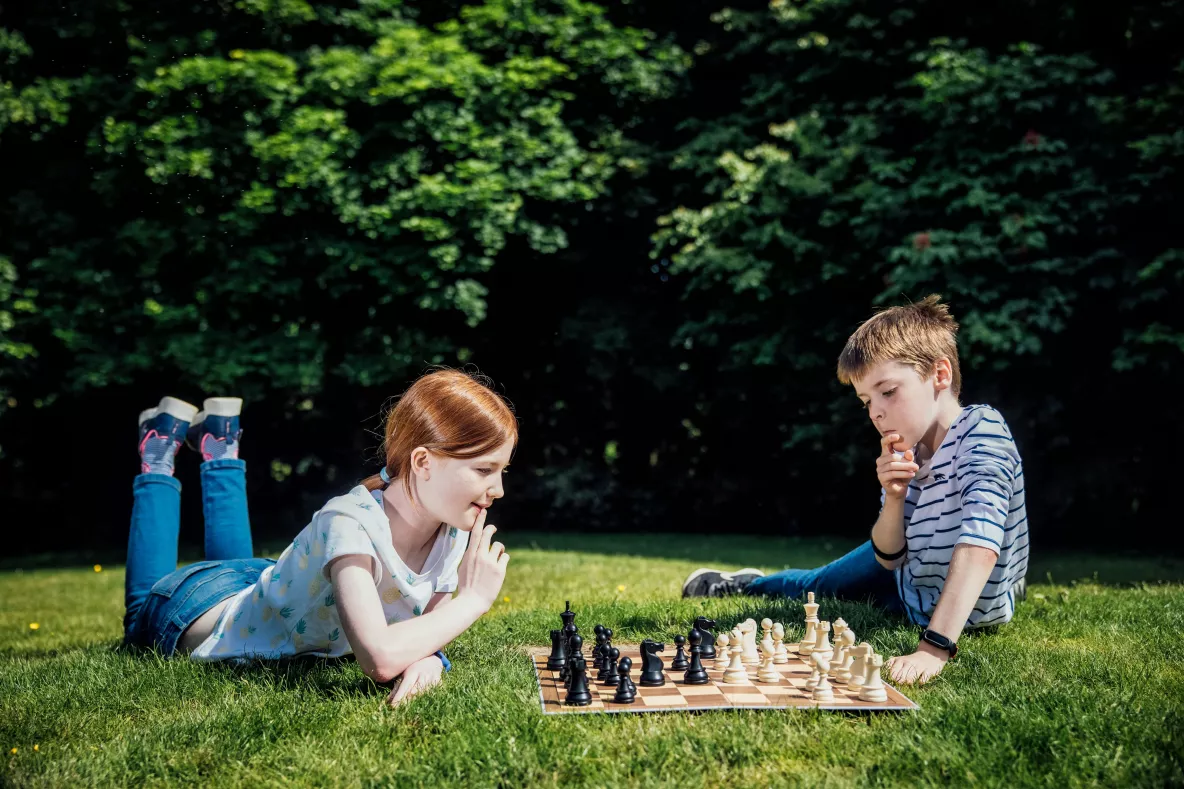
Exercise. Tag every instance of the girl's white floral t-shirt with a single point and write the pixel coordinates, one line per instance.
(291, 609)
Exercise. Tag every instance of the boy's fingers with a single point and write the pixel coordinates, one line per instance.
(486, 536)
(887, 441)
(497, 549)
(503, 560)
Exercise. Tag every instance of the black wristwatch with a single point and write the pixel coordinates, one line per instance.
(939, 641)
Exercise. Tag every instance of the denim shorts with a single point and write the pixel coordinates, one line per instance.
(177, 600)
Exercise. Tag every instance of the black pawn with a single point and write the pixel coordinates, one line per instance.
(575, 647)
(569, 632)
(696, 674)
(578, 694)
(705, 626)
(611, 677)
(558, 658)
(598, 655)
(680, 656)
(626, 690)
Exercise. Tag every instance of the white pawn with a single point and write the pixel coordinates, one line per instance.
(767, 646)
(873, 687)
(721, 652)
(822, 690)
(736, 673)
(822, 644)
(780, 654)
(842, 672)
(767, 672)
(836, 629)
(859, 665)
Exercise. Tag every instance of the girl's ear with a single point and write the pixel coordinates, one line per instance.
(421, 463)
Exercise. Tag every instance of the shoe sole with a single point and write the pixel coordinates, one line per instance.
(723, 576)
(173, 406)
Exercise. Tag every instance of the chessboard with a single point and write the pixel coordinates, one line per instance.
(676, 695)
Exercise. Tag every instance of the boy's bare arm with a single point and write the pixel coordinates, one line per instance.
(970, 568)
(888, 532)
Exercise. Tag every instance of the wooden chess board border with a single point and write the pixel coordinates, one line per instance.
(548, 680)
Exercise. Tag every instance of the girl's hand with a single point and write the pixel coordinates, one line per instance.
(419, 676)
(483, 567)
(894, 473)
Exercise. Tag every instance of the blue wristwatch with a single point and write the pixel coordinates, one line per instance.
(444, 660)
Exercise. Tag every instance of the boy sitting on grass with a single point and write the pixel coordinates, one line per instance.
(950, 547)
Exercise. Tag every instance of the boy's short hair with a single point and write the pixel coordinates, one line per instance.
(916, 334)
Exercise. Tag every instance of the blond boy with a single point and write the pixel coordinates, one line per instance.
(950, 547)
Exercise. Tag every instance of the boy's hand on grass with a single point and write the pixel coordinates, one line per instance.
(895, 473)
(919, 667)
(419, 676)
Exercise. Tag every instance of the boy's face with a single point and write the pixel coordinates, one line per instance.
(898, 400)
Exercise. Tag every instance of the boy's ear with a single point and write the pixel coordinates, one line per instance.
(943, 374)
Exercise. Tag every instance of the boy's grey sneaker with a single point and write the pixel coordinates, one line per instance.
(706, 582)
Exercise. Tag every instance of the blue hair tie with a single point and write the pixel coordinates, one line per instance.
(384, 476)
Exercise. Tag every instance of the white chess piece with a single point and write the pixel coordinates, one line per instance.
(842, 672)
(807, 643)
(767, 639)
(859, 665)
(748, 639)
(822, 690)
(767, 672)
(722, 658)
(836, 661)
(822, 644)
(836, 630)
(781, 654)
(736, 673)
(873, 687)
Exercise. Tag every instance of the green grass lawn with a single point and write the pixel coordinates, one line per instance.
(1084, 687)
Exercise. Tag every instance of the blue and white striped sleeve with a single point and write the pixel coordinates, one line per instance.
(986, 464)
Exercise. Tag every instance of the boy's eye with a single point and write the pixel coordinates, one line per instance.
(484, 470)
(889, 393)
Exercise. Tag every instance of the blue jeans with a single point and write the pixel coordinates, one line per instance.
(855, 576)
(162, 601)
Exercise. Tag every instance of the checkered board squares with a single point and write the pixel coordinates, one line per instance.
(676, 695)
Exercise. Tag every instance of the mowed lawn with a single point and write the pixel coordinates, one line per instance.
(1084, 687)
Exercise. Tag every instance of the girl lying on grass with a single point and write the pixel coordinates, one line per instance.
(374, 571)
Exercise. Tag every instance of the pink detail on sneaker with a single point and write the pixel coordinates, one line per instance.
(148, 435)
(211, 454)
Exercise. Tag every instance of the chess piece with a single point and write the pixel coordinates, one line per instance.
(767, 673)
(721, 658)
(872, 688)
(575, 647)
(626, 690)
(597, 651)
(748, 633)
(836, 629)
(611, 677)
(767, 637)
(680, 661)
(780, 653)
(822, 644)
(696, 674)
(652, 675)
(577, 693)
(807, 644)
(568, 616)
(569, 631)
(705, 626)
(841, 664)
(823, 690)
(558, 657)
(608, 644)
(736, 673)
(858, 665)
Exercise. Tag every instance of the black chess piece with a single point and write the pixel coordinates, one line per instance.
(705, 626)
(577, 693)
(575, 652)
(651, 664)
(569, 631)
(626, 690)
(598, 655)
(611, 677)
(680, 656)
(558, 658)
(568, 616)
(608, 644)
(696, 674)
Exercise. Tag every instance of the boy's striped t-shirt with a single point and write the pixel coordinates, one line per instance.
(970, 492)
